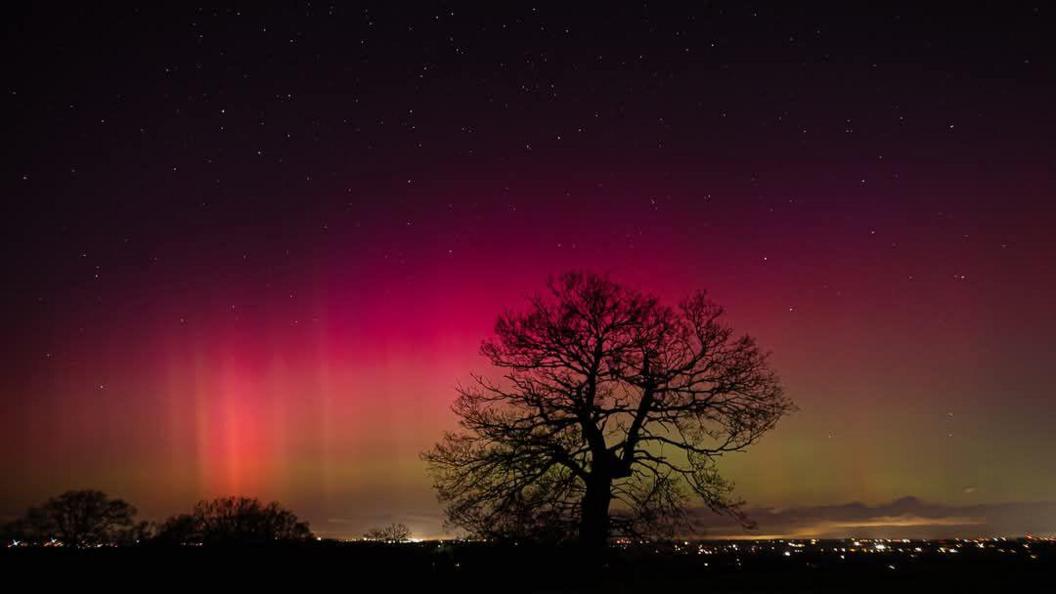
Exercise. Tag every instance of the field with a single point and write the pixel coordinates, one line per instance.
(771, 566)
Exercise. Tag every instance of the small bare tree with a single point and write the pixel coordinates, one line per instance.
(608, 417)
(394, 532)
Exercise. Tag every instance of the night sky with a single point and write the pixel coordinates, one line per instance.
(252, 251)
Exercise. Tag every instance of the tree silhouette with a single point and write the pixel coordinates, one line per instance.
(395, 532)
(79, 519)
(179, 529)
(608, 417)
(234, 520)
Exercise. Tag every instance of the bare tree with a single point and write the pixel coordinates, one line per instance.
(79, 519)
(395, 532)
(608, 418)
(234, 520)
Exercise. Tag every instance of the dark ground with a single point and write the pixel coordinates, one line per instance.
(476, 567)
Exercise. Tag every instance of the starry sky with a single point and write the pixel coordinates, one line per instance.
(252, 251)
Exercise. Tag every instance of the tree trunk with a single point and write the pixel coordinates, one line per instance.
(594, 519)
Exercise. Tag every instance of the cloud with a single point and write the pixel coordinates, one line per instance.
(907, 517)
